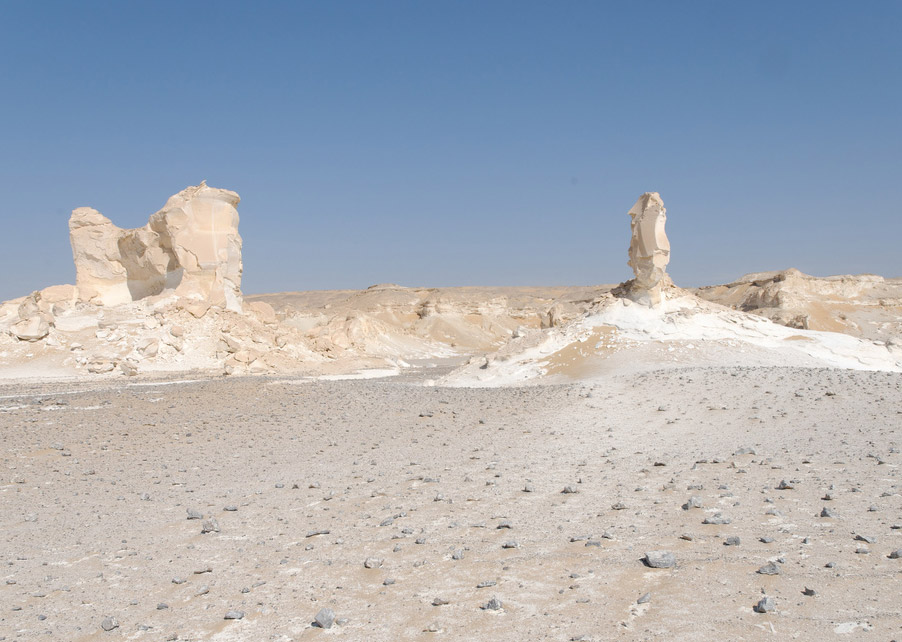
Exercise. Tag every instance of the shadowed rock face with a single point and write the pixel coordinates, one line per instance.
(190, 246)
(649, 247)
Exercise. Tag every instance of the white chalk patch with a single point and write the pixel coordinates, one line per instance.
(375, 373)
(849, 627)
(164, 383)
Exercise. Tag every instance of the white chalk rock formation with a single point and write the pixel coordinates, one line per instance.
(190, 247)
(34, 320)
(649, 247)
(863, 305)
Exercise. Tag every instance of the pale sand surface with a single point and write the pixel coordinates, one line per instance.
(449, 465)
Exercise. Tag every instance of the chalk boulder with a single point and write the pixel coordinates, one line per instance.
(190, 247)
(649, 248)
(34, 319)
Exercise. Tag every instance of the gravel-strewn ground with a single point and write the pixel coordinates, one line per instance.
(304, 484)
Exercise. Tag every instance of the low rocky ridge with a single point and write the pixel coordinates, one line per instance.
(864, 305)
(409, 323)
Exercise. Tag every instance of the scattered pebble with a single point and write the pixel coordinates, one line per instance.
(324, 618)
(109, 623)
(693, 502)
(769, 569)
(765, 605)
(660, 559)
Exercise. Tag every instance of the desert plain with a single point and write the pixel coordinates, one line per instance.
(181, 461)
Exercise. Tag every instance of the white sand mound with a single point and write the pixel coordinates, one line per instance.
(685, 331)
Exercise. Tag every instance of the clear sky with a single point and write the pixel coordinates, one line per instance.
(435, 143)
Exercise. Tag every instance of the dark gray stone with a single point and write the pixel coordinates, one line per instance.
(769, 569)
(693, 502)
(660, 559)
(324, 619)
(717, 519)
(210, 526)
(109, 623)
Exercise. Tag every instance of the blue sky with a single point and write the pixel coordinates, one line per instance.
(436, 143)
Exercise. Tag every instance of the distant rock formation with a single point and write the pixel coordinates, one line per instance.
(863, 305)
(649, 247)
(190, 247)
(159, 298)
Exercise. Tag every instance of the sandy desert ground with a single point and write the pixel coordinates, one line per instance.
(407, 509)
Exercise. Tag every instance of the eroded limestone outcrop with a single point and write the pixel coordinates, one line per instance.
(863, 305)
(191, 247)
(158, 298)
(649, 248)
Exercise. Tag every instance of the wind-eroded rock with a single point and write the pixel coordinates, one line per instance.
(649, 248)
(191, 247)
